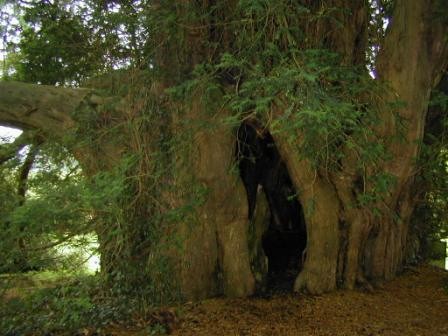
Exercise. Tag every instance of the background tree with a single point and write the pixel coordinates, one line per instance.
(45, 205)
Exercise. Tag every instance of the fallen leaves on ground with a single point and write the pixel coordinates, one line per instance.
(415, 303)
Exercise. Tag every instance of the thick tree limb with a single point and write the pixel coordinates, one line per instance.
(30, 106)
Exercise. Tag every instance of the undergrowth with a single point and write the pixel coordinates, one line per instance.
(74, 306)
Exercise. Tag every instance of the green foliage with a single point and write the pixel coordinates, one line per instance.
(55, 46)
(72, 305)
(117, 203)
(318, 99)
(54, 210)
(430, 222)
(65, 42)
(7, 192)
(133, 216)
(295, 86)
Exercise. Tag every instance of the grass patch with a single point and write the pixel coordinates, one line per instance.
(21, 285)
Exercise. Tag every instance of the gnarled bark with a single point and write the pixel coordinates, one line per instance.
(40, 107)
(411, 61)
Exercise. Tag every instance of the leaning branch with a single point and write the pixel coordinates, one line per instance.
(31, 106)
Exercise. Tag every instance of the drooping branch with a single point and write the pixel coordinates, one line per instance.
(21, 193)
(25, 171)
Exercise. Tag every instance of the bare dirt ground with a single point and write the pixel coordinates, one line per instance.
(416, 303)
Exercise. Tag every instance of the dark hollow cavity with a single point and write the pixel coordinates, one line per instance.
(263, 171)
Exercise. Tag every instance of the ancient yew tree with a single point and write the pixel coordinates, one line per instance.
(252, 141)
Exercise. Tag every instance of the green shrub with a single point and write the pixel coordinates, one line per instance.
(64, 309)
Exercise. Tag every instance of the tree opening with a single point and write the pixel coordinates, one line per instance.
(266, 179)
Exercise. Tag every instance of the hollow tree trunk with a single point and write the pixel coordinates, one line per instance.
(347, 243)
(371, 247)
(322, 212)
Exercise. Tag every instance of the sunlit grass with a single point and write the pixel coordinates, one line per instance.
(85, 248)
